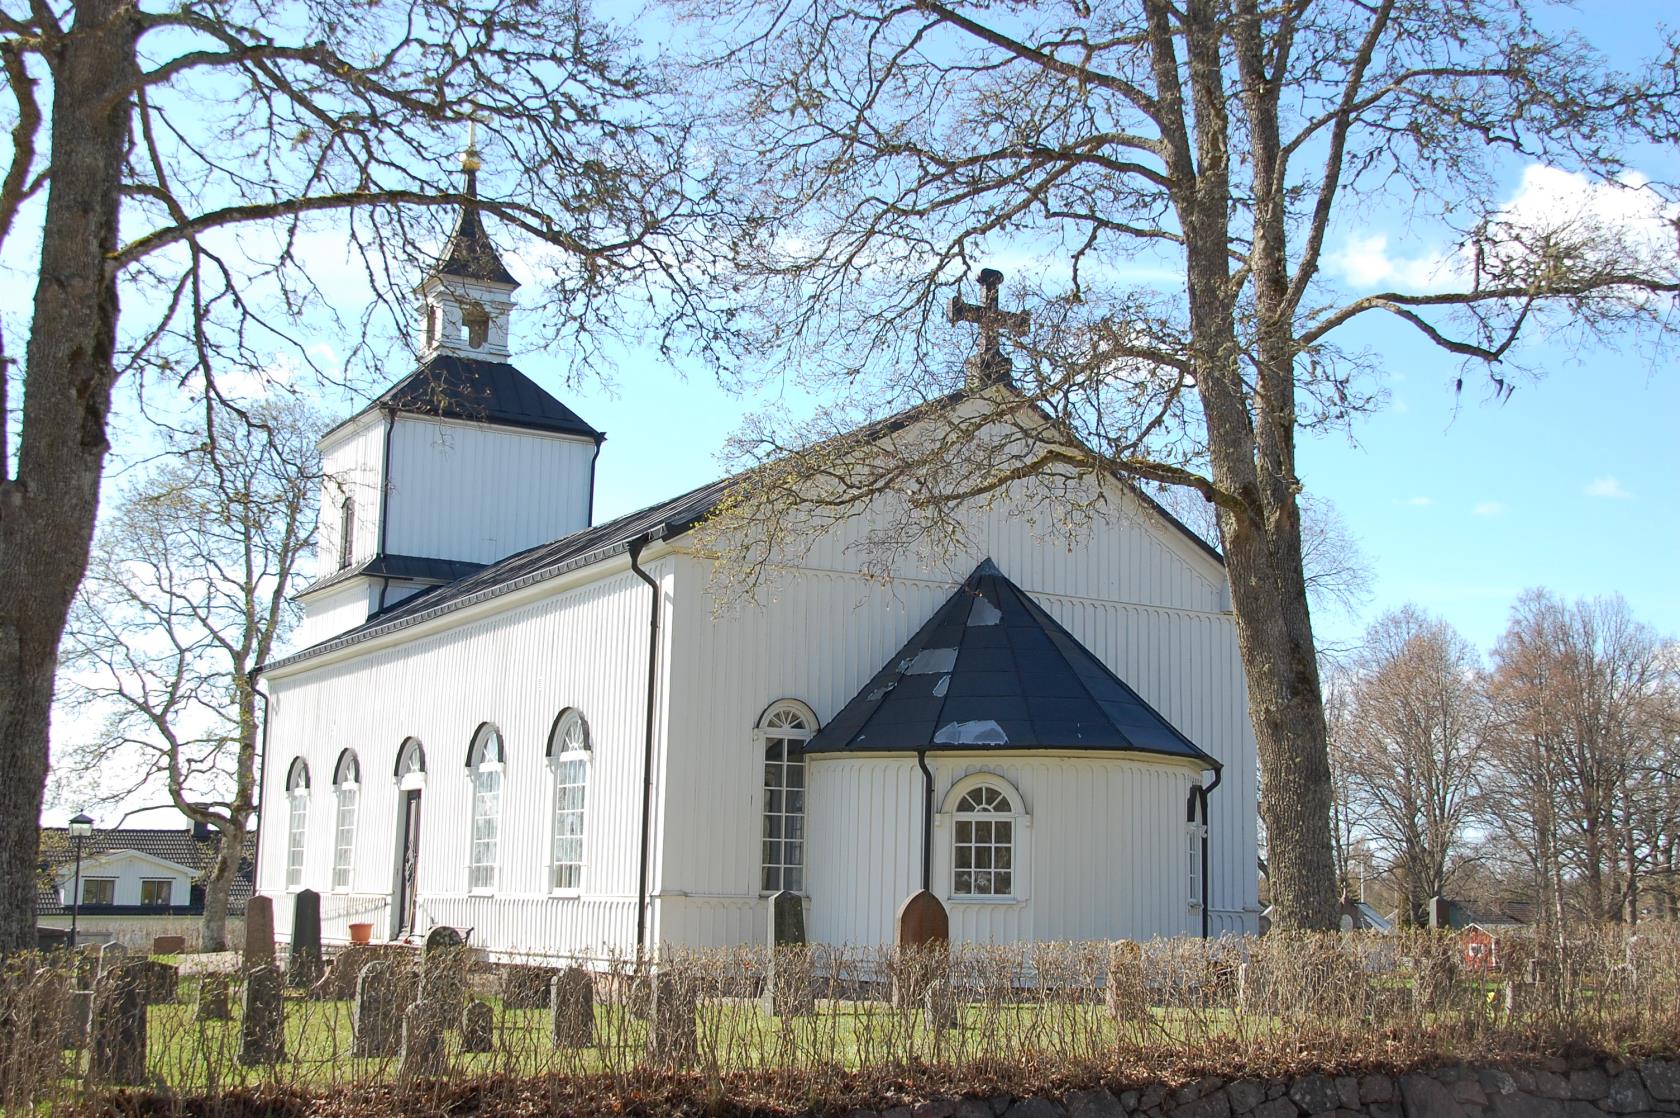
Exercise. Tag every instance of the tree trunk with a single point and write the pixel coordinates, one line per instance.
(47, 512)
(212, 930)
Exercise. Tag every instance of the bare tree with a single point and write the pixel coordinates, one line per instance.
(212, 161)
(1584, 693)
(884, 150)
(188, 589)
(1414, 744)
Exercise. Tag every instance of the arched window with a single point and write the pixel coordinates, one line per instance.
(568, 753)
(347, 783)
(783, 730)
(484, 761)
(347, 533)
(983, 844)
(411, 765)
(297, 822)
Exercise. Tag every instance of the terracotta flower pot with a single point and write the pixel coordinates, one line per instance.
(361, 933)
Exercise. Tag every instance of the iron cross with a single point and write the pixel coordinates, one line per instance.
(988, 363)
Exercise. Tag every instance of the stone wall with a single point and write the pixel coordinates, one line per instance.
(1582, 1088)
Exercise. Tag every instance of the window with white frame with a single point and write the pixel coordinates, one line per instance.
(485, 765)
(983, 844)
(1193, 833)
(347, 533)
(568, 751)
(347, 784)
(297, 822)
(411, 765)
(783, 730)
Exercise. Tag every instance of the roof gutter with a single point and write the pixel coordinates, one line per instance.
(1197, 808)
(636, 547)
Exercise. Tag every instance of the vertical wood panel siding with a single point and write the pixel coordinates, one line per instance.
(584, 647)
(351, 466)
(460, 491)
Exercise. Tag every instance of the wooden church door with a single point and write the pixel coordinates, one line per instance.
(410, 864)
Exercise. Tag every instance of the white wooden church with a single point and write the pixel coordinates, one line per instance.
(508, 718)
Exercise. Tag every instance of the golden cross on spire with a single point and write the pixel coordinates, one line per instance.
(988, 365)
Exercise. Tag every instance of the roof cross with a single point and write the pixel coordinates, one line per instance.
(988, 365)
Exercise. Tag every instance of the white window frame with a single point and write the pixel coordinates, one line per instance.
(411, 776)
(347, 784)
(785, 726)
(570, 751)
(484, 769)
(1019, 819)
(297, 822)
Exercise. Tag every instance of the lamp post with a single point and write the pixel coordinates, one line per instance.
(81, 826)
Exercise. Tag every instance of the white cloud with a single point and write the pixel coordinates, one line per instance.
(1489, 508)
(1609, 488)
(1420, 502)
(1368, 262)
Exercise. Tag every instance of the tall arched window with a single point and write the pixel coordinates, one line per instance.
(484, 761)
(411, 765)
(297, 822)
(347, 784)
(347, 533)
(983, 851)
(783, 731)
(568, 753)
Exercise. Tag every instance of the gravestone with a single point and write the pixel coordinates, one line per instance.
(526, 987)
(78, 1019)
(444, 963)
(1124, 994)
(159, 981)
(384, 990)
(922, 932)
(787, 982)
(111, 955)
(571, 1003)
(338, 984)
(119, 1027)
(671, 1039)
(169, 945)
(262, 1029)
(259, 933)
(87, 967)
(478, 1027)
(303, 966)
(423, 1052)
(213, 998)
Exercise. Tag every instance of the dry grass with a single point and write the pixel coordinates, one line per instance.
(883, 1025)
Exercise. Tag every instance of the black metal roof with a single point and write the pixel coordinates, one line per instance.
(183, 846)
(470, 388)
(398, 566)
(470, 254)
(992, 670)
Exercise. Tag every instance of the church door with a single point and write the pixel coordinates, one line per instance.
(409, 866)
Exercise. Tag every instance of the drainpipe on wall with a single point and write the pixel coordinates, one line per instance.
(262, 771)
(384, 496)
(636, 547)
(927, 820)
(1198, 807)
(589, 516)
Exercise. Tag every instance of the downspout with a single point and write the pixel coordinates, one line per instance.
(1198, 806)
(262, 769)
(589, 517)
(385, 492)
(636, 547)
(927, 820)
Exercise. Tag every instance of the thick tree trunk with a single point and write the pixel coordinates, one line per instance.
(47, 512)
(212, 930)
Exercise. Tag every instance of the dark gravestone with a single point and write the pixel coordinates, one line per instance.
(304, 963)
(259, 932)
(384, 990)
(478, 1027)
(571, 1003)
(213, 998)
(159, 981)
(78, 1019)
(444, 964)
(169, 945)
(423, 1052)
(119, 1027)
(338, 984)
(526, 987)
(787, 983)
(922, 934)
(262, 1030)
(671, 1039)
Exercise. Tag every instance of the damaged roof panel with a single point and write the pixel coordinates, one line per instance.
(992, 670)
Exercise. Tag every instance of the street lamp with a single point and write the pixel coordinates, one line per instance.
(81, 827)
